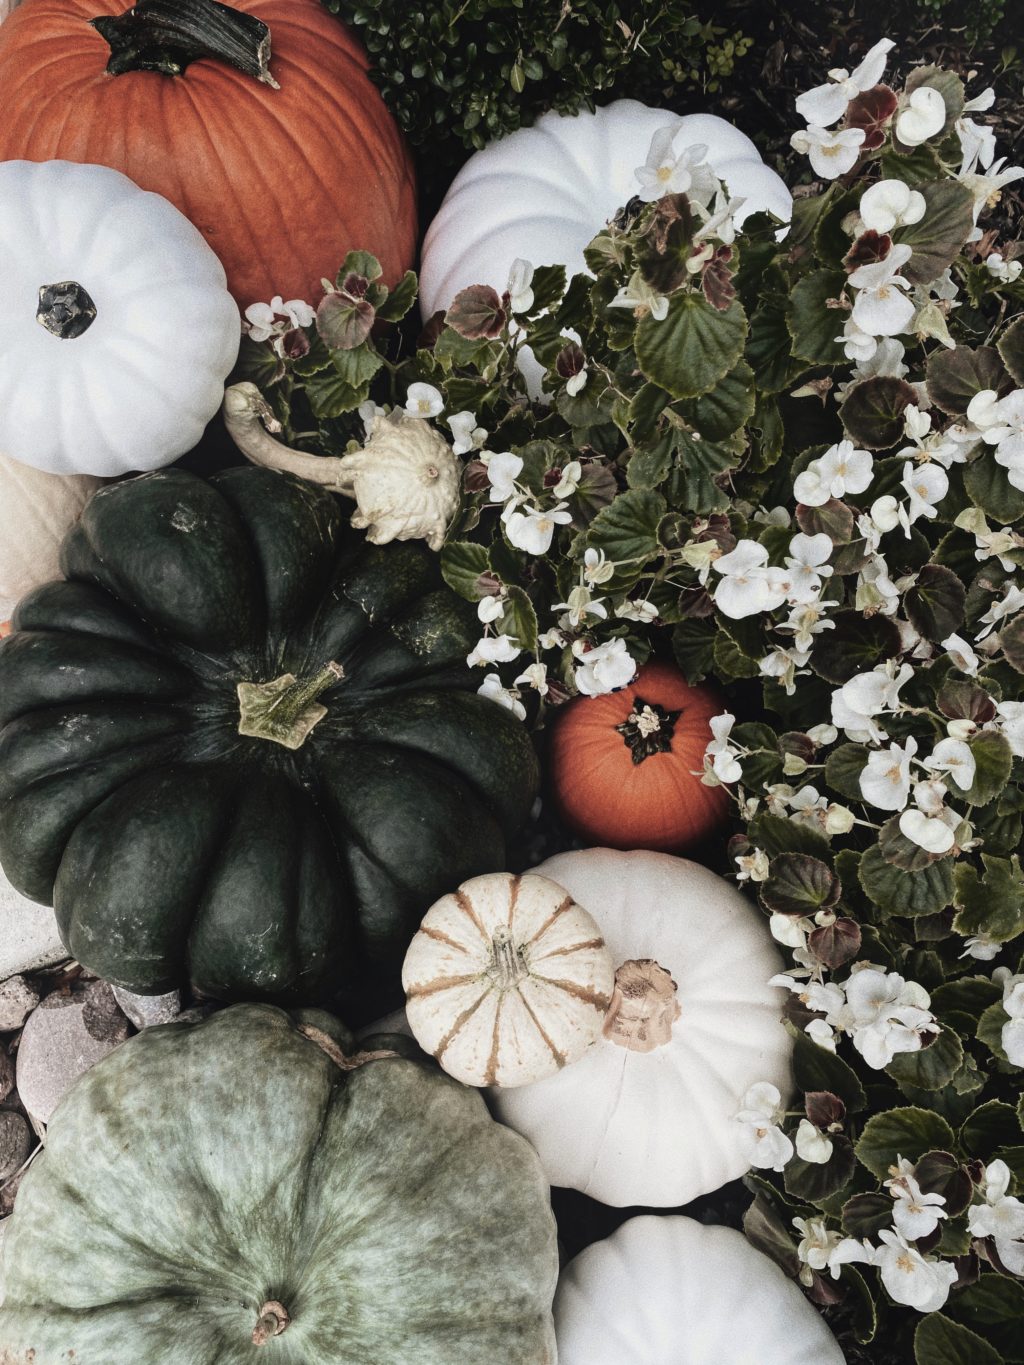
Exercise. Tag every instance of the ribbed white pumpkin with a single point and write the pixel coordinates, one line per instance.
(36, 510)
(669, 1291)
(118, 330)
(543, 192)
(646, 1116)
(507, 980)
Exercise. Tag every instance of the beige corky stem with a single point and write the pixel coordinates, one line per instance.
(342, 1059)
(250, 420)
(272, 1321)
(643, 1008)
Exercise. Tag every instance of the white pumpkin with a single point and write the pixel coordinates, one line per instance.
(118, 330)
(647, 1114)
(507, 980)
(542, 193)
(670, 1291)
(36, 510)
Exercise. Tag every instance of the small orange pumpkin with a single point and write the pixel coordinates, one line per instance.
(625, 767)
(283, 168)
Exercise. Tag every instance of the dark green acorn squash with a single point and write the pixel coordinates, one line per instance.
(241, 746)
(224, 1193)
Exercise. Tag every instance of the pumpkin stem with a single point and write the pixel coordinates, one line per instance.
(346, 1061)
(166, 35)
(508, 964)
(644, 1006)
(648, 729)
(65, 309)
(272, 1321)
(285, 709)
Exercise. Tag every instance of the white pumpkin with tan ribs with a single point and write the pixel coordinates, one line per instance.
(647, 1115)
(36, 510)
(507, 980)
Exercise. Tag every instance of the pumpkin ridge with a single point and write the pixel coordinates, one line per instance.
(456, 1027)
(443, 983)
(558, 911)
(588, 997)
(441, 937)
(570, 948)
(559, 1057)
(466, 906)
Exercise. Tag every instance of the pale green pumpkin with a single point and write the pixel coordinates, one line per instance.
(224, 1192)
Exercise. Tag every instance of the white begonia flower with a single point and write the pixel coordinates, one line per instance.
(1005, 431)
(371, 413)
(576, 382)
(875, 589)
(887, 360)
(960, 651)
(639, 296)
(915, 1213)
(926, 831)
(808, 566)
(921, 1282)
(569, 480)
(789, 930)
(423, 400)
(956, 758)
(811, 1144)
(891, 204)
(753, 867)
(1001, 1217)
(503, 468)
(1010, 720)
(1004, 271)
(766, 1146)
(603, 668)
(1011, 602)
(551, 639)
(580, 605)
(533, 528)
(807, 620)
(1012, 1037)
(493, 649)
(723, 756)
(783, 665)
(637, 609)
(466, 434)
(916, 423)
(597, 567)
(489, 608)
(857, 345)
(665, 172)
(520, 278)
(923, 116)
(831, 154)
(721, 224)
(926, 485)
(842, 469)
(272, 319)
(822, 1034)
(816, 1244)
(535, 676)
(981, 948)
(885, 781)
(885, 1014)
(748, 586)
(866, 695)
(986, 189)
(977, 140)
(882, 308)
(826, 104)
(492, 689)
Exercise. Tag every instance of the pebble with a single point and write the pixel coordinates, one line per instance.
(6, 1074)
(28, 933)
(18, 998)
(16, 1142)
(64, 1037)
(146, 1010)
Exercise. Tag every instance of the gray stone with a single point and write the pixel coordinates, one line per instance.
(16, 1142)
(18, 998)
(146, 1010)
(6, 1074)
(64, 1037)
(28, 933)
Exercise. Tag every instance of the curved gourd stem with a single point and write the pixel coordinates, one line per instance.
(346, 1061)
(250, 420)
(166, 35)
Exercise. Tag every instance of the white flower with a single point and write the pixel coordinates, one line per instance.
(503, 468)
(817, 1247)
(603, 668)
(639, 296)
(489, 608)
(532, 529)
(882, 308)
(272, 319)
(492, 689)
(885, 1015)
(808, 565)
(985, 189)
(831, 154)
(723, 756)
(423, 400)
(807, 620)
(867, 695)
(1006, 433)
(789, 930)
(783, 664)
(636, 609)
(842, 469)
(520, 277)
(580, 605)
(915, 1213)
(921, 1282)
(1001, 1216)
(493, 649)
(721, 224)
(535, 676)
(962, 655)
(857, 345)
(926, 831)
(826, 104)
(371, 413)
(923, 117)
(766, 1145)
(467, 435)
(956, 758)
(748, 586)
(754, 867)
(568, 481)
(597, 567)
(1009, 604)
(977, 142)
(891, 204)
(981, 948)
(666, 173)
(1011, 721)
(926, 484)
(875, 589)
(1004, 271)
(1012, 1037)
(811, 1144)
(885, 781)
(551, 639)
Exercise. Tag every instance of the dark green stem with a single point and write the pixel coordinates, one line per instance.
(166, 35)
(648, 729)
(65, 309)
(285, 709)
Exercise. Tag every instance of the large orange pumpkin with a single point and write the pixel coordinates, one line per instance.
(625, 767)
(282, 181)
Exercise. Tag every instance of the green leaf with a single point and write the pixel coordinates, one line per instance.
(400, 299)
(768, 347)
(813, 324)
(548, 285)
(896, 892)
(693, 347)
(627, 530)
(856, 645)
(954, 377)
(519, 619)
(731, 663)
(865, 1215)
(1011, 637)
(932, 1067)
(818, 1181)
(798, 884)
(1011, 348)
(902, 852)
(843, 768)
(765, 1230)
(993, 903)
(907, 1132)
(816, 1068)
(937, 239)
(693, 645)
(864, 1317)
(646, 406)
(329, 395)
(993, 1305)
(940, 1341)
(462, 564)
(649, 466)
(356, 367)
(343, 321)
(873, 409)
(993, 760)
(915, 168)
(991, 1126)
(970, 995)
(359, 263)
(691, 484)
(990, 1029)
(775, 834)
(988, 487)
(935, 604)
(716, 415)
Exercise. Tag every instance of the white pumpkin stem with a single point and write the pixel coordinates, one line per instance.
(249, 419)
(643, 1008)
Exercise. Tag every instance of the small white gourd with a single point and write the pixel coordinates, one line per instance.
(36, 510)
(647, 1114)
(668, 1290)
(507, 980)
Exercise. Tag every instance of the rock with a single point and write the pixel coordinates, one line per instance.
(8, 1194)
(18, 998)
(146, 1010)
(28, 933)
(6, 1074)
(16, 1142)
(64, 1037)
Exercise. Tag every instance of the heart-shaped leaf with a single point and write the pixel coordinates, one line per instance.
(954, 377)
(693, 347)
(872, 411)
(938, 237)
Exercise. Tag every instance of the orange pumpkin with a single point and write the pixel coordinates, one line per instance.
(282, 182)
(625, 767)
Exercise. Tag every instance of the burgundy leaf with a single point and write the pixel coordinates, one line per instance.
(716, 280)
(295, 344)
(870, 246)
(475, 479)
(872, 110)
(570, 361)
(476, 313)
(343, 321)
(835, 944)
(824, 1108)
